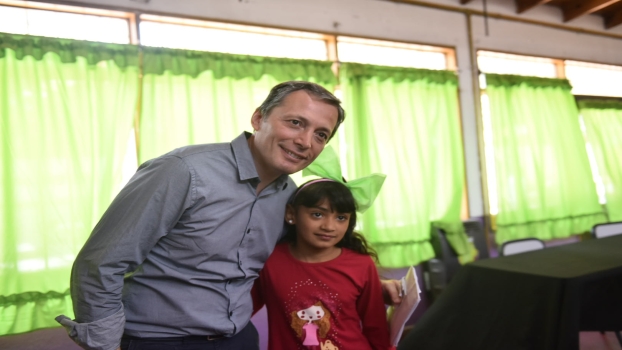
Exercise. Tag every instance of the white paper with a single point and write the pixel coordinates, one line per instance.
(399, 315)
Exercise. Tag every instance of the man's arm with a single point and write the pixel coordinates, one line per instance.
(391, 292)
(143, 212)
(257, 294)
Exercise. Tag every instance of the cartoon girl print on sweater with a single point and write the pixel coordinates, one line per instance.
(311, 325)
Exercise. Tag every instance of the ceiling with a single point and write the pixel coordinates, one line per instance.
(609, 10)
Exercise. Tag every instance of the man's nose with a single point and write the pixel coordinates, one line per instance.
(303, 139)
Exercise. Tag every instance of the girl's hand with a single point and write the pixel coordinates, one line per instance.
(391, 290)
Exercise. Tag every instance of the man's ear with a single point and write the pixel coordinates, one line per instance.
(256, 120)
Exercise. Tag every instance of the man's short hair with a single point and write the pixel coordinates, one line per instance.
(282, 90)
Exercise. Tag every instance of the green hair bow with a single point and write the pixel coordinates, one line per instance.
(364, 190)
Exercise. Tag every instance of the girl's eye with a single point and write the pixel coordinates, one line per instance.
(342, 218)
(316, 215)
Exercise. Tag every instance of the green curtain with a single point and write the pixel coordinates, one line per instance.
(405, 123)
(603, 127)
(66, 111)
(192, 97)
(544, 182)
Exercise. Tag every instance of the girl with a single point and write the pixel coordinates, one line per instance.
(320, 285)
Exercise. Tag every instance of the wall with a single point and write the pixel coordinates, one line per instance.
(423, 22)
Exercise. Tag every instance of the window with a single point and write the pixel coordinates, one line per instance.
(501, 63)
(230, 38)
(389, 53)
(489, 154)
(586, 79)
(598, 180)
(594, 79)
(65, 22)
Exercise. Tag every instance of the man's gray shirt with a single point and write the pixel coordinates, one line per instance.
(177, 251)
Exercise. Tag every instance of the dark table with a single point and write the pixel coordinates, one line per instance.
(534, 300)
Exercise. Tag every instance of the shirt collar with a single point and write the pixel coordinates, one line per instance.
(245, 162)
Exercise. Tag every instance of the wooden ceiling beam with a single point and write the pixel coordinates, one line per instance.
(524, 5)
(572, 11)
(613, 20)
(464, 2)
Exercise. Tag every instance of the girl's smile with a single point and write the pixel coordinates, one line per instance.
(324, 237)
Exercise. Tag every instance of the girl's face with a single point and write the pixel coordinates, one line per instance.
(318, 227)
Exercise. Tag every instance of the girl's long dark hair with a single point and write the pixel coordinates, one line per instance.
(341, 201)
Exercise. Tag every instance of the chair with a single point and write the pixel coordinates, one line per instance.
(606, 230)
(434, 278)
(438, 272)
(521, 246)
(474, 229)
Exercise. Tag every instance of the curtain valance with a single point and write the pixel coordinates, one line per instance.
(192, 63)
(600, 104)
(509, 80)
(67, 49)
(398, 74)
(179, 62)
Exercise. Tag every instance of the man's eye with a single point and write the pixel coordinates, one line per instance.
(322, 137)
(295, 122)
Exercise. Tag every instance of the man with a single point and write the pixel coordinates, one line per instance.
(172, 261)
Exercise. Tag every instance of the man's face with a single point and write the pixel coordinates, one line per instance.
(292, 135)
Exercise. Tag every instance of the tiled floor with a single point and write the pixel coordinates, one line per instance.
(56, 339)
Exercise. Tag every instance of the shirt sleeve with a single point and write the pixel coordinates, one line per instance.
(104, 334)
(145, 210)
(371, 310)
